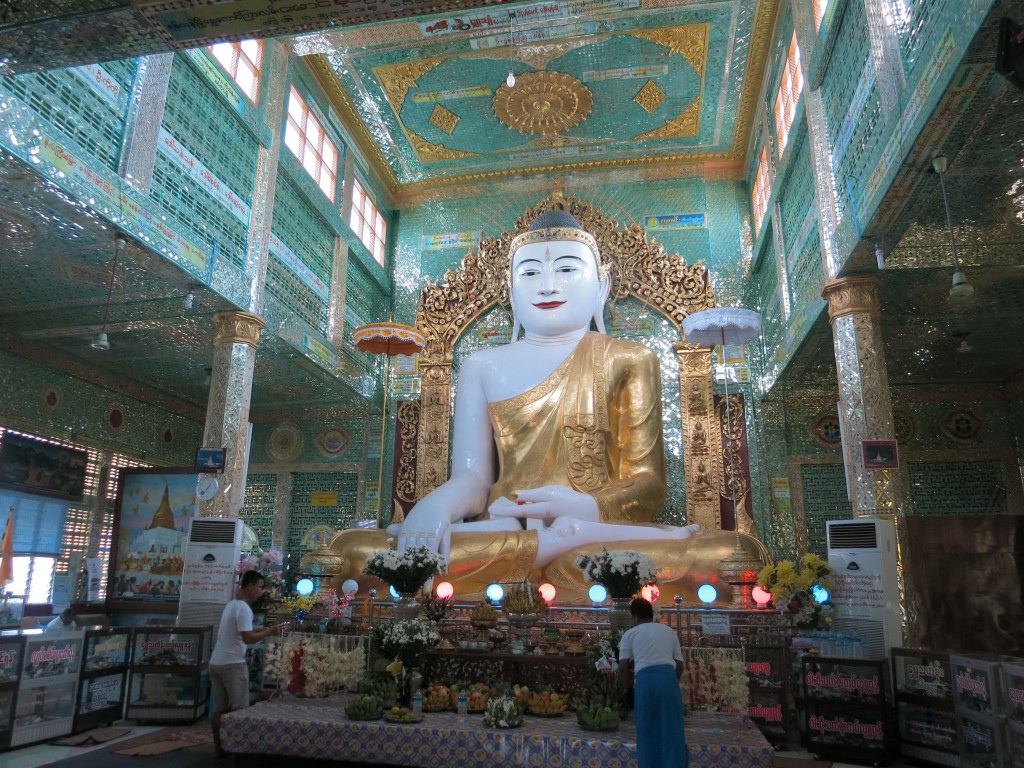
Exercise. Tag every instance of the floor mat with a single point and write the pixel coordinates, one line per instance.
(155, 748)
(95, 736)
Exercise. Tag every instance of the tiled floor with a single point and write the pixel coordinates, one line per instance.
(44, 754)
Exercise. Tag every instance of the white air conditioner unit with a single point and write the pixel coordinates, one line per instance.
(866, 597)
(212, 551)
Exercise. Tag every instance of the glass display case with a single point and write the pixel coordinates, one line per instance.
(983, 712)
(925, 717)
(847, 709)
(45, 702)
(11, 652)
(101, 685)
(168, 675)
(12, 609)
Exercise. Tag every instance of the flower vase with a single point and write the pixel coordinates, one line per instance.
(405, 608)
(618, 614)
(412, 681)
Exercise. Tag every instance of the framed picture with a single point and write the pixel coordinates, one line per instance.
(151, 519)
(211, 459)
(880, 454)
(34, 465)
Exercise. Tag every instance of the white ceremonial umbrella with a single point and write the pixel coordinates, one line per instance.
(724, 325)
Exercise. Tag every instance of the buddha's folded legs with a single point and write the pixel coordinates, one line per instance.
(480, 559)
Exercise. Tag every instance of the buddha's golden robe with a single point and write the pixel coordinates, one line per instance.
(593, 425)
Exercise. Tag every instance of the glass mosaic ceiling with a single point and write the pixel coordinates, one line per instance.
(551, 85)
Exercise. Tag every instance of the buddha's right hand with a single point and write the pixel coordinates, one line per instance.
(427, 525)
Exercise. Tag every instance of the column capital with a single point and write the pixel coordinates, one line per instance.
(237, 327)
(852, 295)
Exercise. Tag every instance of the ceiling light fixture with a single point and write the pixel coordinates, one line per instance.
(510, 81)
(101, 342)
(190, 298)
(960, 288)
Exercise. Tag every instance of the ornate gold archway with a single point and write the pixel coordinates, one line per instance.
(663, 281)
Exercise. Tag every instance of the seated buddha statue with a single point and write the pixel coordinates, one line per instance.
(557, 447)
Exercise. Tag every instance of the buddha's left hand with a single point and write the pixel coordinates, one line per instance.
(547, 503)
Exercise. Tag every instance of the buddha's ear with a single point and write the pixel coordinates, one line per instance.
(515, 317)
(603, 286)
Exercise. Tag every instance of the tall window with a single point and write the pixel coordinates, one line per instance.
(818, 8)
(762, 190)
(367, 223)
(243, 61)
(309, 142)
(790, 88)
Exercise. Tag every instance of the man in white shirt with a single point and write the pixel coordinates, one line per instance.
(64, 622)
(651, 652)
(229, 675)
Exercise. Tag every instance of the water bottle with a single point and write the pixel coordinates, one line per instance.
(417, 703)
(323, 625)
(463, 704)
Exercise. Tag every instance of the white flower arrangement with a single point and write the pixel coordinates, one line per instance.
(405, 571)
(409, 640)
(503, 712)
(311, 666)
(715, 679)
(621, 572)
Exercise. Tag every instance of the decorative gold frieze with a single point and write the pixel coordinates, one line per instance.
(431, 153)
(701, 463)
(397, 79)
(543, 102)
(690, 42)
(649, 97)
(851, 295)
(687, 124)
(444, 119)
(408, 416)
(435, 416)
(237, 328)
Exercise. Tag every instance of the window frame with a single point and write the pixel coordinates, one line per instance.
(787, 98)
(818, 10)
(240, 60)
(762, 191)
(369, 219)
(311, 144)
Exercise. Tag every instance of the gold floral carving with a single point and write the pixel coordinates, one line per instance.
(237, 328)
(543, 102)
(538, 56)
(687, 124)
(431, 153)
(852, 295)
(397, 79)
(690, 42)
(649, 97)
(408, 417)
(736, 488)
(701, 465)
(637, 268)
(444, 118)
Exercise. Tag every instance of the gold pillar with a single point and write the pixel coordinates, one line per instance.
(227, 408)
(701, 440)
(866, 410)
(435, 417)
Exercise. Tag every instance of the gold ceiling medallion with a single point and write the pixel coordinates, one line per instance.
(649, 97)
(687, 124)
(690, 42)
(444, 119)
(543, 102)
(397, 79)
(431, 153)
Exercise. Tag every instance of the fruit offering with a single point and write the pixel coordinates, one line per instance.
(597, 717)
(477, 696)
(522, 694)
(401, 715)
(437, 698)
(366, 707)
(546, 703)
(524, 598)
(482, 613)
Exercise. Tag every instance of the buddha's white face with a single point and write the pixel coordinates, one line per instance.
(556, 288)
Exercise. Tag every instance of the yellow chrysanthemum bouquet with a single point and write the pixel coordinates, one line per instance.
(798, 587)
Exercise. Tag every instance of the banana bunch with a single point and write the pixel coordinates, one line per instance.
(366, 707)
(598, 717)
(483, 612)
(524, 598)
(546, 703)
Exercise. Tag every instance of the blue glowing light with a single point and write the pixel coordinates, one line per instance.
(394, 593)
(707, 593)
(821, 595)
(304, 586)
(495, 592)
(598, 594)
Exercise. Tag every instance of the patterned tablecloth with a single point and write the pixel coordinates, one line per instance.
(318, 728)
